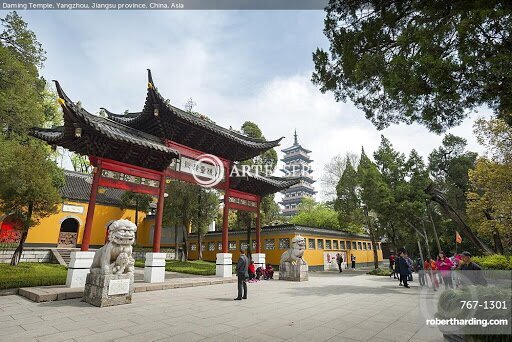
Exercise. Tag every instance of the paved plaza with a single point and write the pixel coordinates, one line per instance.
(329, 307)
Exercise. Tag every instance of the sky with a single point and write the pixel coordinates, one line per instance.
(236, 65)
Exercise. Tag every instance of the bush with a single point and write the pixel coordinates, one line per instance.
(27, 274)
(449, 306)
(494, 262)
(381, 272)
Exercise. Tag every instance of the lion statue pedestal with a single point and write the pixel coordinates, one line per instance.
(292, 266)
(110, 281)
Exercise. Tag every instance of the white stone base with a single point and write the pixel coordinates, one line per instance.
(78, 268)
(154, 268)
(259, 260)
(224, 265)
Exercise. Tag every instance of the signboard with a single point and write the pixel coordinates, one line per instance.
(118, 286)
(69, 208)
(197, 168)
(330, 262)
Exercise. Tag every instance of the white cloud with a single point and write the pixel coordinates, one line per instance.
(234, 68)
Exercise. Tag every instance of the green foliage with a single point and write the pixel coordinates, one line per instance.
(449, 165)
(80, 163)
(27, 274)
(348, 203)
(449, 306)
(29, 179)
(489, 199)
(494, 262)
(426, 62)
(381, 272)
(315, 214)
(189, 205)
(24, 184)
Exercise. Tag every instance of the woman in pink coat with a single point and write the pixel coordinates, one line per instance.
(444, 265)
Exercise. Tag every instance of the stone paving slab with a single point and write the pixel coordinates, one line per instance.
(173, 280)
(326, 308)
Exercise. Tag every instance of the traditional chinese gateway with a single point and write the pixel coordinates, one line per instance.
(140, 151)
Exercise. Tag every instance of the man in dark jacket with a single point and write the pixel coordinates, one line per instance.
(242, 275)
(471, 271)
(404, 268)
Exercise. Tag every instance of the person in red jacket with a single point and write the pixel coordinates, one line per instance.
(252, 271)
(444, 265)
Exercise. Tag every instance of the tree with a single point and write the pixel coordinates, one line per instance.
(311, 213)
(490, 196)
(138, 201)
(30, 180)
(25, 191)
(190, 207)
(490, 202)
(375, 197)
(416, 61)
(333, 171)
(207, 209)
(348, 202)
(80, 163)
(449, 165)
(22, 91)
(269, 210)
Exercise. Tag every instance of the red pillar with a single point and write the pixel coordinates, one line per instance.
(258, 228)
(157, 234)
(86, 238)
(225, 216)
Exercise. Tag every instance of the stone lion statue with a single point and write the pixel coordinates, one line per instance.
(116, 256)
(294, 254)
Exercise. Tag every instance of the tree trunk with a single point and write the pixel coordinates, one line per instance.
(438, 196)
(185, 240)
(199, 244)
(16, 257)
(498, 246)
(176, 242)
(433, 226)
(373, 238)
(374, 245)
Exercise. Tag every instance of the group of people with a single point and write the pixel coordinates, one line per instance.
(247, 272)
(439, 270)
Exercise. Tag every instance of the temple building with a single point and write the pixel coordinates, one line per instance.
(297, 164)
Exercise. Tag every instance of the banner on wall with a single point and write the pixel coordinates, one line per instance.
(330, 262)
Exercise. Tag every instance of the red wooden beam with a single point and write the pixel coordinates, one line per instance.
(258, 229)
(244, 195)
(238, 206)
(225, 219)
(117, 184)
(86, 237)
(128, 169)
(189, 178)
(159, 217)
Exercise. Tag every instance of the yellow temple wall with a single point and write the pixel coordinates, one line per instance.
(46, 233)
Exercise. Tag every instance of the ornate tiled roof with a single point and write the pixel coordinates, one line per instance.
(166, 121)
(105, 138)
(77, 187)
(298, 229)
(259, 185)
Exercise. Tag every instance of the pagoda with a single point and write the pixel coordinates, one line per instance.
(297, 165)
